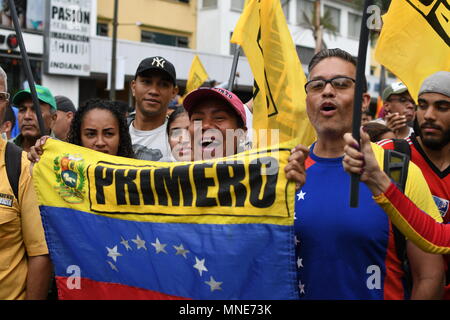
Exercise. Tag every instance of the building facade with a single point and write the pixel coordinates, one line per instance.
(175, 29)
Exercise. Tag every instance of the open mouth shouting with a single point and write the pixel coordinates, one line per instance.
(328, 109)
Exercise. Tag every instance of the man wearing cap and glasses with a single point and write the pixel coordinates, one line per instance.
(153, 88)
(399, 109)
(28, 122)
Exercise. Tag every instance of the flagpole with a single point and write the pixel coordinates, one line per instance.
(234, 67)
(112, 89)
(27, 67)
(360, 71)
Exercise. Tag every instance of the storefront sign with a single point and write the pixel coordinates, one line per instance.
(67, 42)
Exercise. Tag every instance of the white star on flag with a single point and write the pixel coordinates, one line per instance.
(301, 286)
(159, 247)
(214, 284)
(125, 244)
(139, 242)
(299, 263)
(180, 250)
(301, 195)
(112, 266)
(200, 265)
(297, 242)
(113, 253)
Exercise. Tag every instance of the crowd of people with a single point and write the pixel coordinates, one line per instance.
(342, 252)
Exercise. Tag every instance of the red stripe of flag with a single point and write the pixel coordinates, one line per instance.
(96, 290)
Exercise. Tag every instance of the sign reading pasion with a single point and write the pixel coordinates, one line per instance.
(68, 37)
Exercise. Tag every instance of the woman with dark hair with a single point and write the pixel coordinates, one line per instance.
(98, 125)
(178, 133)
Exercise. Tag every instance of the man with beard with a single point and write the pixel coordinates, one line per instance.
(430, 150)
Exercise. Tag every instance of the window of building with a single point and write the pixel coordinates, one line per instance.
(237, 5)
(354, 25)
(209, 4)
(31, 14)
(164, 39)
(305, 8)
(335, 15)
(305, 54)
(102, 29)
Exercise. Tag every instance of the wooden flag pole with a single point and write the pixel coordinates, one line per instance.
(360, 79)
(26, 63)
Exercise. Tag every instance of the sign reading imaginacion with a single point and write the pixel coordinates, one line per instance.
(219, 229)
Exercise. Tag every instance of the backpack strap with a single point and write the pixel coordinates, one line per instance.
(13, 163)
(396, 163)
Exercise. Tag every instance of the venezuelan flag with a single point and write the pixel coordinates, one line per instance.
(121, 228)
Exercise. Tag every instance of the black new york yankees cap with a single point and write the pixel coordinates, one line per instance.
(157, 63)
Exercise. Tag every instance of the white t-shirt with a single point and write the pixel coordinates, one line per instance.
(151, 145)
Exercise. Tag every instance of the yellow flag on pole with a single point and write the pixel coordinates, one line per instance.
(278, 93)
(415, 40)
(197, 75)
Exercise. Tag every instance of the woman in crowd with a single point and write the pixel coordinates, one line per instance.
(178, 133)
(98, 125)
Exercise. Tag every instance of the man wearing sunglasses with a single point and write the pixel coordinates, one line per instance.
(343, 252)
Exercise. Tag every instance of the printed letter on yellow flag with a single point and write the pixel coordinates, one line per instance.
(415, 40)
(279, 94)
(197, 75)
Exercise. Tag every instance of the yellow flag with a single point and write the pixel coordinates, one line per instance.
(197, 75)
(278, 93)
(415, 41)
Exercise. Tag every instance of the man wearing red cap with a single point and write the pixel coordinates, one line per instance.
(217, 123)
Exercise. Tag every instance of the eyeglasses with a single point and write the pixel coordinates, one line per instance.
(4, 96)
(402, 100)
(338, 83)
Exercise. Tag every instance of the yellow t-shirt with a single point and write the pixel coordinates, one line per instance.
(21, 231)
